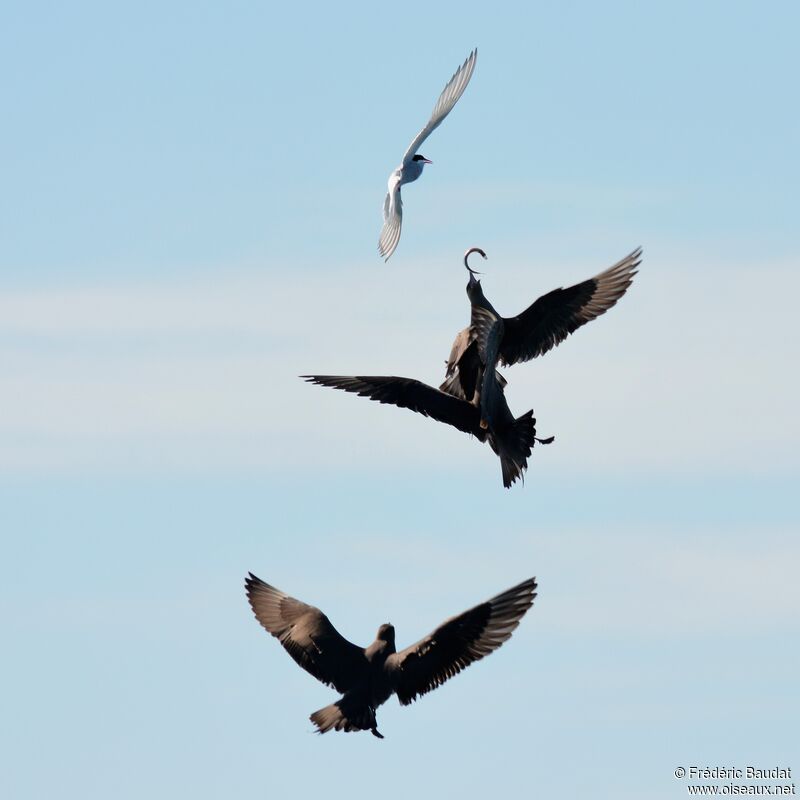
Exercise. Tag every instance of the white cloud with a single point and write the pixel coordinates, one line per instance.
(657, 582)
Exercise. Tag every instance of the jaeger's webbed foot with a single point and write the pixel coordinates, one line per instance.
(548, 440)
(377, 733)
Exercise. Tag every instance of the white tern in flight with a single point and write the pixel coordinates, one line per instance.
(413, 162)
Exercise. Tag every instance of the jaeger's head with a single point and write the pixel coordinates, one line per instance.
(386, 633)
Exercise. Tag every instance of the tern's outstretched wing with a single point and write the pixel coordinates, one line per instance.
(459, 642)
(392, 218)
(555, 315)
(444, 105)
(307, 635)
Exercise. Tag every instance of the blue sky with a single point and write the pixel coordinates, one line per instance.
(189, 211)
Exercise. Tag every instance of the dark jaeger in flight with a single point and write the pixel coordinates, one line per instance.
(472, 397)
(491, 338)
(368, 677)
(512, 439)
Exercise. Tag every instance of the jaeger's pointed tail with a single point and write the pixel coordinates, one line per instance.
(344, 715)
(514, 446)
